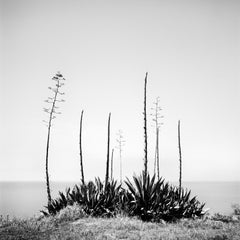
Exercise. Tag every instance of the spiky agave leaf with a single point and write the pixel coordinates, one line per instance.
(144, 192)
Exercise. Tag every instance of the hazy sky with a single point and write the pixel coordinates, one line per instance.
(190, 48)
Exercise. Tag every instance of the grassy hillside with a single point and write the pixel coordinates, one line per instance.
(71, 223)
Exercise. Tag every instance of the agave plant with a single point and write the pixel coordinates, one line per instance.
(95, 198)
(105, 201)
(56, 205)
(144, 195)
(190, 207)
(156, 200)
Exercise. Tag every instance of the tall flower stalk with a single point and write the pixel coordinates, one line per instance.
(157, 124)
(112, 164)
(180, 159)
(108, 152)
(51, 111)
(80, 148)
(120, 143)
(145, 127)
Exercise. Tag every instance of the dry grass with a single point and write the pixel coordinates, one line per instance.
(126, 228)
(71, 223)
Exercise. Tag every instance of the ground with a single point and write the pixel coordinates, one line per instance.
(66, 227)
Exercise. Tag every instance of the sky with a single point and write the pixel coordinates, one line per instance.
(191, 51)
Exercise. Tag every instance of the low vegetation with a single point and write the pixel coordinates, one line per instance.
(145, 197)
(73, 223)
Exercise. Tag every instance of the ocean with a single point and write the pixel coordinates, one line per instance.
(26, 199)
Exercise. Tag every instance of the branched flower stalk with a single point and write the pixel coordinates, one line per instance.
(120, 143)
(51, 111)
(157, 124)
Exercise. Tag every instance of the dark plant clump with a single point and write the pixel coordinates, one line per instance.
(145, 197)
(153, 200)
(96, 199)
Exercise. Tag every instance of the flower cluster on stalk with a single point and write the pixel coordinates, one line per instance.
(53, 100)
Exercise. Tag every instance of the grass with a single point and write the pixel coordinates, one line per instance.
(127, 228)
(72, 223)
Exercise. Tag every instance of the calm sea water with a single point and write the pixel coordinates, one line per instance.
(25, 199)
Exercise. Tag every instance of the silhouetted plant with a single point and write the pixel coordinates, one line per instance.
(145, 197)
(52, 114)
(95, 199)
(80, 148)
(58, 204)
(155, 200)
(143, 190)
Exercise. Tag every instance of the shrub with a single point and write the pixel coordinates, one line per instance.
(71, 213)
(222, 218)
(236, 209)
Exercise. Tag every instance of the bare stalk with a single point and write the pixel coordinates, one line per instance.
(47, 175)
(157, 153)
(108, 147)
(180, 159)
(145, 127)
(112, 164)
(80, 148)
